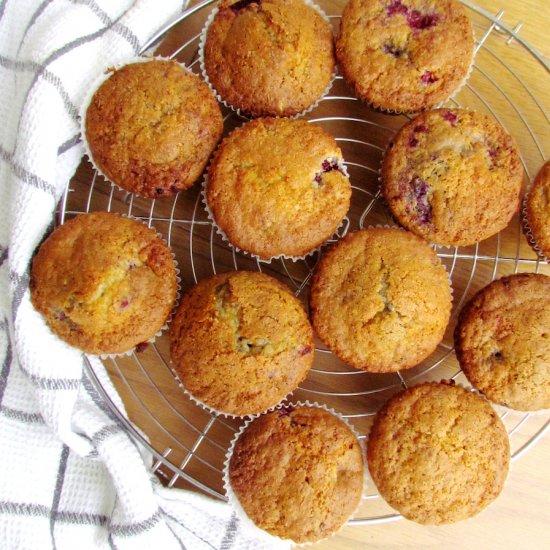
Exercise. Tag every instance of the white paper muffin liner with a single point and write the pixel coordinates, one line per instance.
(340, 232)
(174, 305)
(234, 501)
(217, 412)
(527, 228)
(202, 43)
(105, 75)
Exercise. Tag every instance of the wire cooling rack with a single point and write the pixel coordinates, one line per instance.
(189, 444)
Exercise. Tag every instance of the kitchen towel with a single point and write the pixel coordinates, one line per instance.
(70, 475)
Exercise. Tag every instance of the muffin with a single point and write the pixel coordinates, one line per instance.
(151, 127)
(452, 177)
(241, 342)
(538, 210)
(438, 453)
(278, 187)
(502, 341)
(297, 473)
(381, 300)
(405, 55)
(104, 283)
(268, 58)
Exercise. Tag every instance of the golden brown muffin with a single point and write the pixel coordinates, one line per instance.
(298, 473)
(438, 453)
(381, 300)
(278, 187)
(452, 176)
(104, 283)
(269, 57)
(241, 342)
(405, 55)
(151, 127)
(503, 341)
(538, 210)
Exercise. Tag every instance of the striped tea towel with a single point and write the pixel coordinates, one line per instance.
(70, 476)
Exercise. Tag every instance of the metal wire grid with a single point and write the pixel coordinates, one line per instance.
(180, 458)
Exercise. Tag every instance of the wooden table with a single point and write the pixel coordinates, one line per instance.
(520, 517)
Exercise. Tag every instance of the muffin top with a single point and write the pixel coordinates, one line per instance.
(152, 126)
(452, 177)
(278, 187)
(298, 473)
(405, 55)
(538, 209)
(381, 299)
(438, 453)
(103, 282)
(503, 341)
(241, 342)
(269, 57)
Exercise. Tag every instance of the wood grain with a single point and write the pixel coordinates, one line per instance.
(520, 516)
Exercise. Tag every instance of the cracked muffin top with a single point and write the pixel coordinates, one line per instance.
(241, 342)
(405, 55)
(438, 453)
(503, 341)
(452, 177)
(278, 187)
(151, 127)
(381, 299)
(104, 283)
(538, 210)
(298, 473)
(269, 57)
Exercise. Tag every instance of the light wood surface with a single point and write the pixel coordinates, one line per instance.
(520, 517)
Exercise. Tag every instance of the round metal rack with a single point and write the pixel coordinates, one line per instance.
(188, 443)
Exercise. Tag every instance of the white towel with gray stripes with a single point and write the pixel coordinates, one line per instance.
(70, 475)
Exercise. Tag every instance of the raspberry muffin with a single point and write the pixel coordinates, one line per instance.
(438, 453)
(538, 210)
(278, 187)
(297, 473)
(381, 300)
(241, 342)
(405, 55)
(268, 57)
(452, 177)
(104, 283)
(503, 341)
(152, 126)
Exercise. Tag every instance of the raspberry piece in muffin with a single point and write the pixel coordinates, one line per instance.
(452, 177)
(404, 55)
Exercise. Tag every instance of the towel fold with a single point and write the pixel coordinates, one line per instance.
(71, 476)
